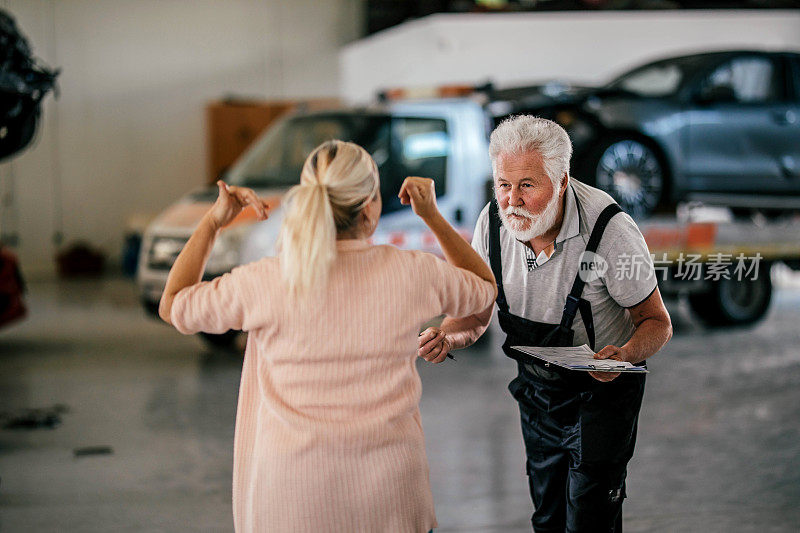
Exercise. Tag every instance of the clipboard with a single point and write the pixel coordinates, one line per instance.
(580, 358)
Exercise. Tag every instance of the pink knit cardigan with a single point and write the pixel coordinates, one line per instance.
(328, 433)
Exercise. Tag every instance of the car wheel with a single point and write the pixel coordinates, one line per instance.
(732, 302)
(224, 341)
(632, 174)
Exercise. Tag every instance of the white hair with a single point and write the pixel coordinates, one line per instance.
(525, 133)
(338, 180)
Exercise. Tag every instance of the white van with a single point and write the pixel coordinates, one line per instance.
(443, 139)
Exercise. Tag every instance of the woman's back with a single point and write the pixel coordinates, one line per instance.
(328, 433)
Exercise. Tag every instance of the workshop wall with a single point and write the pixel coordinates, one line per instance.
(126, 135)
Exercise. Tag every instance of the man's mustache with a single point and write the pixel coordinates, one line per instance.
(511, 210)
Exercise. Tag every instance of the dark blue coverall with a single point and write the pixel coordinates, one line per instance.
(579, 433)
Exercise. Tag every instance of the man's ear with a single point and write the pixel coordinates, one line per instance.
(564, 182)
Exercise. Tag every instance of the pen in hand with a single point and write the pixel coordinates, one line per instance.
(449, 355)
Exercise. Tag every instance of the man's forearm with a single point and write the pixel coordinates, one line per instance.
(650, 336)
(463, 332)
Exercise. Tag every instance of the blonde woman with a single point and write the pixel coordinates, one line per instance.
(328, 434)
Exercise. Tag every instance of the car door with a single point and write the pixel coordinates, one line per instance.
(737, 124)
(416, 146)
(789, 121)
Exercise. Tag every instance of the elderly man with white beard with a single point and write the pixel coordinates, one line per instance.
(579, 428)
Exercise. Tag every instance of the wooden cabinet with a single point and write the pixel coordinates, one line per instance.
(232, 125)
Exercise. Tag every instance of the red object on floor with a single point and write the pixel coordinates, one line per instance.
(11, 288)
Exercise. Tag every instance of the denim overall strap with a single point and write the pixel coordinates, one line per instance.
(575, 303)
(494, 254)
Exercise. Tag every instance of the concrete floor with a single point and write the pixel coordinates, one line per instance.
(718, 449)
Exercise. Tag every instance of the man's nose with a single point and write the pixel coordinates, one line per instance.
(515, 198)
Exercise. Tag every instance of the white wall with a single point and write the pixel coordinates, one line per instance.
(126, 135)
(518, 48)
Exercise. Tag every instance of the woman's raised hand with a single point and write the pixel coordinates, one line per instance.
(420, 193)
(231, 201)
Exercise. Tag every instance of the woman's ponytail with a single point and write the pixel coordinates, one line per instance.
(308, 237)
(338, 179)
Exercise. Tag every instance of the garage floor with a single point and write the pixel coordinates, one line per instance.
(718, 450)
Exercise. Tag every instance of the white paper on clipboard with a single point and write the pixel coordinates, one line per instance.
(578, 358)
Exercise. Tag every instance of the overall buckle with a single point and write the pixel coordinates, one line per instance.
(570, 310)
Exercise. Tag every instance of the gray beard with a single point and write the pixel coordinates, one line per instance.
(539, 224)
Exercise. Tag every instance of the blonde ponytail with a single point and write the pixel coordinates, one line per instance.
(338, 179)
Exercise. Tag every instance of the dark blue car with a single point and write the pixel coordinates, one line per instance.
(721, 127)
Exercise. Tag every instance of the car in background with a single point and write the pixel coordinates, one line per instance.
(722, 128)
(722, 125)
(445, 140)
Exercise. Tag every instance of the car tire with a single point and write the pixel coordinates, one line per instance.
(221, 341)
(732, 302)
(632, 172)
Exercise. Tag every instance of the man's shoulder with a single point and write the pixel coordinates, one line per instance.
(593, 201)
(484, 214)
(482, 223)
(480, 237)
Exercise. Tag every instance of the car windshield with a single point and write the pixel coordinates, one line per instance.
(277, 157)
(663, 78)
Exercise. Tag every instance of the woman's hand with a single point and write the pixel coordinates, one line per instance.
(420, 193)
(188, 267)
(231, 201)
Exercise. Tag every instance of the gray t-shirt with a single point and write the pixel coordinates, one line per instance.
(537, 288)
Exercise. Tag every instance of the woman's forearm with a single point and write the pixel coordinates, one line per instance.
(456, 250)
(189, 266)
